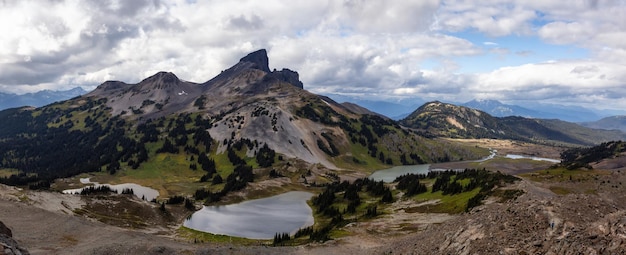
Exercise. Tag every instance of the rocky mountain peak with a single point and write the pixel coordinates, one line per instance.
(288, 76)
(160, 80)
(162, 77)
(111, 85)
(259, 59)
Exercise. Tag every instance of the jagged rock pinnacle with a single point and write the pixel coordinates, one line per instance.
(259, 58)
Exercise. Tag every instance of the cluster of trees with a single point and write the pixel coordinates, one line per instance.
(449, 187)
(449, 183)
(237, 180)
(279, 238)
(582, 157)
(326, 203)
(128, 191)
(97, 190)
(332, 151)
(176, 200)
(265, 156)
(410, 184)
(415, 159)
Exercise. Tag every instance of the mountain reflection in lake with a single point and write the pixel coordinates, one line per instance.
(256, 219)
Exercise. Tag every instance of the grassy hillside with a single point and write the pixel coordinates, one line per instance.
(438, 119)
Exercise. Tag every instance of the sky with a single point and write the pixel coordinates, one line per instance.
(569, 52)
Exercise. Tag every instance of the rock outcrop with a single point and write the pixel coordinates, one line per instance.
(288, 76)
(259, 59)
(9, 245)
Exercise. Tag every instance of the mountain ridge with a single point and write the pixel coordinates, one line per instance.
(609, 123)
(439, 119)
(242, 112)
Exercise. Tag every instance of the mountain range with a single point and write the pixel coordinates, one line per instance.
(609, 123)
(246, 114)
(37, 99)
(401, 109)
(392, 109)
(538, 111)
(249, 132)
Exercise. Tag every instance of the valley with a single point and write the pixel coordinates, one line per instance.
(455, 179)
(39, 219)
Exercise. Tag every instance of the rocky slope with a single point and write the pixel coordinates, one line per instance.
(538, 222)
(9, 245)
(246, 101)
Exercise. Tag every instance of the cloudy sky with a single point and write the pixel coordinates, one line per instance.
(566, 52)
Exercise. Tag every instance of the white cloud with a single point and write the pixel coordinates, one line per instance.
(384, 49)
(495, 18)
(565, 82)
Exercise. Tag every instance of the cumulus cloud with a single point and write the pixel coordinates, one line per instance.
(380, 49)
(495, 18)
(564, 82)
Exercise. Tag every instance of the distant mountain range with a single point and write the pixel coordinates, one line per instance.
(401, 109)
(37, 99)
(609, 123)
(538, 111)
(393, 110)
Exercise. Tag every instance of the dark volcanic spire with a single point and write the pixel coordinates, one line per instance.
(259, 58)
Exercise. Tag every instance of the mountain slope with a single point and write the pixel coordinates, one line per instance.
(441, 119)
(447, 120)
(608, 123)
(246, 117)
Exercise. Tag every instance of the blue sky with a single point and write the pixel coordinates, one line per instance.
(513, 50)
(549, 51)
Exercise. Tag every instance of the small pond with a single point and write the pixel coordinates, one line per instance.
(139, 191)
(256, 219)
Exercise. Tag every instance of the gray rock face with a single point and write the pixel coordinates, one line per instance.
(4, 230)
(288, 76)
(259, 58)
(112, 85)
(7, 244)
